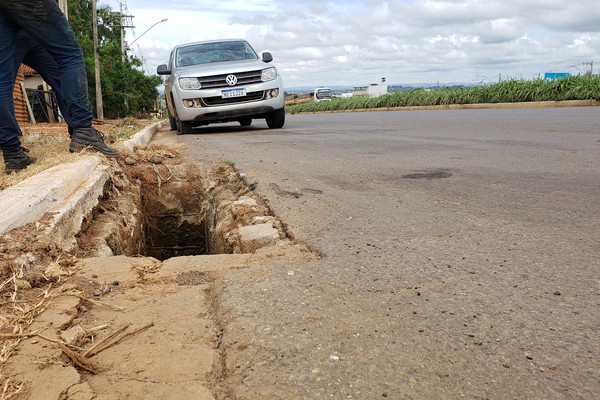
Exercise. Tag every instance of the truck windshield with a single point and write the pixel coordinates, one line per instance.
(205, 53)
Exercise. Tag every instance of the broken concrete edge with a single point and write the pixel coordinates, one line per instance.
(60, 189)
(68, 213)
(254, 237)
(143, 137)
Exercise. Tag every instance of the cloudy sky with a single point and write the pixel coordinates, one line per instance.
(353, 42)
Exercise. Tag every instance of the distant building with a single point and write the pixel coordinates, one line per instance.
(22, 108)
(371, 90)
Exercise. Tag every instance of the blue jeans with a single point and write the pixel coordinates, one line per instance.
(43, 21)
(29, 52)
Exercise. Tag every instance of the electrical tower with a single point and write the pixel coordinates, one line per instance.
(591, 64)
(126, 22)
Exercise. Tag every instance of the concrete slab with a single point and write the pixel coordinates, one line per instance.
(254, 237)
(175, 357)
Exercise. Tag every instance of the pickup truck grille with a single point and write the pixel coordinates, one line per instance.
(219, 101)
(218, 81)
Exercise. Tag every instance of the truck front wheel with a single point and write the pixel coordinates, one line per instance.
(172, 121)
(276, 119)
(184, 127)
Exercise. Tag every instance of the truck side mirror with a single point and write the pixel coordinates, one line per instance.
(267, 57)
(162, 69)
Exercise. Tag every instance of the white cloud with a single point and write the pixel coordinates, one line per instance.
(347, 42)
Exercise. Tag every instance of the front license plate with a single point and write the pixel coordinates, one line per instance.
(238, 92)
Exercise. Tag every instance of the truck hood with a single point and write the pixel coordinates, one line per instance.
(219, 68)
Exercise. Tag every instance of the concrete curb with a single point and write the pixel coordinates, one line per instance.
(68, 191)
(143, 137)
(28, 200)
(482, 106)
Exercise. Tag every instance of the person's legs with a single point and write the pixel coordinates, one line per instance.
(44, 21)
(9, 128)
(15, 159)
(29, 52)
(21, 48)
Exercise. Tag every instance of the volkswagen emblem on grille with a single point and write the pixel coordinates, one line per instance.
(231, 80)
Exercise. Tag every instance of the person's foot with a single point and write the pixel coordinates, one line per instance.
(17, 161)
(90, 139)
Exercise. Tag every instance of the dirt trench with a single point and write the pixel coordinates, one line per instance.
(132, 311)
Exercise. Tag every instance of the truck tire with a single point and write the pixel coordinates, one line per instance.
(276, 119)
(172, 122)
(184, 127)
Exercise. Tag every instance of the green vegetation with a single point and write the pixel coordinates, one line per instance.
(586, 87)
(126, 91)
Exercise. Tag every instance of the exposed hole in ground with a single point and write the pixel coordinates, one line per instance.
(160, 207)
(174, 211)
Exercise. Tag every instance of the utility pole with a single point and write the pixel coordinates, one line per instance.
(99, 105)
(64, 7)
(591, 64)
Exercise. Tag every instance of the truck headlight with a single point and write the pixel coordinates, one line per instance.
(268, 74)
(189, 83)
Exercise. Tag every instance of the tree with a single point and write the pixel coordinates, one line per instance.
(126, 90)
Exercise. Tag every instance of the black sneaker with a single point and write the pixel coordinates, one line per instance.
(90, 139)
(17, 161)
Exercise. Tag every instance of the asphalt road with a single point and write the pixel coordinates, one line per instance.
(461, 256)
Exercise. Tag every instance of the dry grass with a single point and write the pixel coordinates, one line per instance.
(11, 387)
(49, 144)
(17, 315)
